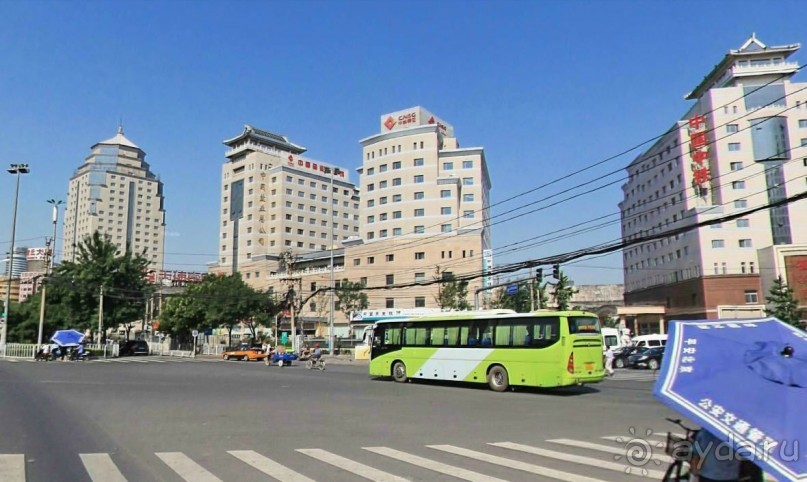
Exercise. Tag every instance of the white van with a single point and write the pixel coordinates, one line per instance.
(649, 341)
(611, 337)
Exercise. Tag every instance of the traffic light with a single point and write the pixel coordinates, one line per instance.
(556, 271)
(539, 275)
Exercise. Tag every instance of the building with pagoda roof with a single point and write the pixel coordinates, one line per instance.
(114, 192)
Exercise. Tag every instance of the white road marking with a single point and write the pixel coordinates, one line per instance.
(351, 466)
(617, 450)
(101, 468)
(515, 464)
(12, 468)
(624, 467)
(433, 465)
(186, 468)
(269, 466)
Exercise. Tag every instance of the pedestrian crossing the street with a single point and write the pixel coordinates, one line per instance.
(604, 460)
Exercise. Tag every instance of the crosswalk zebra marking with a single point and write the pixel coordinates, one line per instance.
(625, 468)
(608, 449)
(101, 468)
(515, 464)
(440, 467)
(269, 466)
(12, 468)
(186, 468)
(354, 467)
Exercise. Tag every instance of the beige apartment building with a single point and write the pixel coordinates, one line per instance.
(115, 193)
(274, 200)
(742, 145)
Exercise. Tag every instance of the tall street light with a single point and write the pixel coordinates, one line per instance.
(51, 250)
(17, 169)
(333, 173)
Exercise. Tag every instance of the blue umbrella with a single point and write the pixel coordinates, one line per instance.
(745, 381)
(67, 337)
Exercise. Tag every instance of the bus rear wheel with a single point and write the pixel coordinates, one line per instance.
(399, 372)
(498, 381)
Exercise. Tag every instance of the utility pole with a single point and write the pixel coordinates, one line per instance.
(101, 317)
(331, 285)
(44, 294)
(288, 259)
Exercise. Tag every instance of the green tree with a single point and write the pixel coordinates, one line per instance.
(352, 297)
(229, 300)
(74, 289)
(451, 293)
(183, 313)
(783, 305)
(564, 292)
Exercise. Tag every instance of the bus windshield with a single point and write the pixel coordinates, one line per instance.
(584, 325)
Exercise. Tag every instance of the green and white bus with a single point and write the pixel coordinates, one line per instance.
(499, 347)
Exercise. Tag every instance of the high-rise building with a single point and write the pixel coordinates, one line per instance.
(19, 262)
(274, 199)
(742, 145)
(424, 211)
(115, 193)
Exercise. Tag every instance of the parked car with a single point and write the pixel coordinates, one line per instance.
(621, 356)
(648, 357)
(133, 347)
(244, 352)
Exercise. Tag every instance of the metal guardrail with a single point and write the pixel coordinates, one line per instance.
(28, 350)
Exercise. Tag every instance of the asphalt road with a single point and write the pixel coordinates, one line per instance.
(160, 419)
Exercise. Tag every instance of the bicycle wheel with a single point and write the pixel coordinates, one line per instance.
(673, 473)
(309, 364)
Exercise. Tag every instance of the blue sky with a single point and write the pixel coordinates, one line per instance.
(546, 88)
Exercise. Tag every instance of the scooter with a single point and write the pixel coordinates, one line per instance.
(76, 356)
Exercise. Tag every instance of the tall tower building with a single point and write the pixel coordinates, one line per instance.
(424, 208)
(115, 193)
(742, 144)
(275, 199)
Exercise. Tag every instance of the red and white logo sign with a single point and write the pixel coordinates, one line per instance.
(389, 123)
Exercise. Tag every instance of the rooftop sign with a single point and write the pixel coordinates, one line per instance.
(415, 116)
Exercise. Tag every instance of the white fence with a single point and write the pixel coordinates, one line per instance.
(28, 350)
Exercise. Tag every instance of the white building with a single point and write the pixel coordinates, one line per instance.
(742, 144)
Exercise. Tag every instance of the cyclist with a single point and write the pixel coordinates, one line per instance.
(317, 353)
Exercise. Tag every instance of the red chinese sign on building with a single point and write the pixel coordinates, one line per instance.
(699, 150)
(302, 163)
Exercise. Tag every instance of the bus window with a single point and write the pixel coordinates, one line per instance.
(416, 335)
(521, 335)
(546, 331)
(392, 335)
(439, 336)
(484, 333)
(584, 325)
(464, 336)
(453, 333)
(502, 335)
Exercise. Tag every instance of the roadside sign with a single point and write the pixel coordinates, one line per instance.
(512, 289)
(195, 333)
(208, 331)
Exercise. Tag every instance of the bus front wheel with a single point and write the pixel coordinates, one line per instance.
(498, 380)
(399, 372)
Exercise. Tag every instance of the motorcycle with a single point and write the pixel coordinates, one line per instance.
(319, 363)
(76, 356)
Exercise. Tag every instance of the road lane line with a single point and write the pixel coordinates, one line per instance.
(433, 465)
(269, 466)
(622, 449)
(515, 464)
(624, 467)
(12, 468)
(351, 466)
(186, 468)
(101, 468)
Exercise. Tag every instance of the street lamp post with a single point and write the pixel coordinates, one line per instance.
(51, 250)
(330, 312)
(17, 169)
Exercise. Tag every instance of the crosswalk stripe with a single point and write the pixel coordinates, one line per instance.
(515, 464)
(12, 468)
(357, 468)
(624, 468)
(440, 467)
(611, 450)
(625, 438)
(186, 468)
(101, 468)
(269, 466)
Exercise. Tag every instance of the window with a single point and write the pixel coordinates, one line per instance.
(732, 128)
(419, 213)
(745, 243)
(445, 193)
(467, 197)
(420, 255)
(718, 243)
(396, 198)
(420, 302)
(419, 195)
(467, 181)
(751, 297)
(396, 181)
(396, 165)
(448, 166)
(397, 231)
(370, 203)
(371, 187)
(390, 302)
(390, 257)
(390, 279)
(445, 228)
(382, 185)
(370, 171)
(736, 166)
(743, 223)
(371, 260)
(382, 233)
(445, 211)
(396, 215)
(420, 229)
(418, 162)
(467, 164)
(734, 146)
(740, 203)
(357, 262)
(468, 214)
(420, 277)
(419, 179)
(738, 185)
